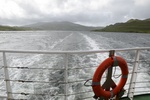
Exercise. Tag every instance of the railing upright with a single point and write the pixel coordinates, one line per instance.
(134, 76)
(66, 76)
(8, 86)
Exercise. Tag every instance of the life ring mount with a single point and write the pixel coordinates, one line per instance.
(104, 89)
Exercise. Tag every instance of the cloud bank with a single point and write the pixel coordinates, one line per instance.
(86, 12)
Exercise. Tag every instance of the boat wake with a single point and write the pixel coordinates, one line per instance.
(45, 73)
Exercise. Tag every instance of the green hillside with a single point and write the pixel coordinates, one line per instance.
(62, 25)
(9, 28)
(133, 25)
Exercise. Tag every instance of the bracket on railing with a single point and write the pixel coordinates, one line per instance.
(111, 53)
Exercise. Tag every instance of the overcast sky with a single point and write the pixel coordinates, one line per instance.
(86, 12)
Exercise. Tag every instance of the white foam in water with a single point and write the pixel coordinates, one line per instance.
(94, 60)
(94, 46)
(16, 74)
(27, 61)
(60, 41)
(32, 59)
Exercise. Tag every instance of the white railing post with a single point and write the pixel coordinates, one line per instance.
(8, 86)
(66, 76)
(134, 76)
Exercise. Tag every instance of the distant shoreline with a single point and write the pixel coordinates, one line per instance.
(131, 26)
(13, 28)
(122, 31)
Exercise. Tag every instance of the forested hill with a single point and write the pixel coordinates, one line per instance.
(132, 25)
(13, 28)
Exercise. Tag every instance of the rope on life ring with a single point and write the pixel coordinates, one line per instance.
(100, 90)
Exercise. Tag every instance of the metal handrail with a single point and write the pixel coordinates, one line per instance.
(66, 82)
(73, 52)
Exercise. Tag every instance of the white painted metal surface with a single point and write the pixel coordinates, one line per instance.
(8, 87)
(134, 76)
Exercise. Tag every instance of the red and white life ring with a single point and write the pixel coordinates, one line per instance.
(98, 89)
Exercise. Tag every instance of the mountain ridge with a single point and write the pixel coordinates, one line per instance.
(62, 25)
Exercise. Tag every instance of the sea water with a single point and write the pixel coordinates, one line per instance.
(64, 41)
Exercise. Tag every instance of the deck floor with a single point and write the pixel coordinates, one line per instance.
(139, 97)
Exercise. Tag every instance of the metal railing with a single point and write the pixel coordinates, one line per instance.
(131, 85)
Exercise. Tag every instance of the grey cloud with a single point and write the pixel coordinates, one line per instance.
(30, 8)
(141, 11)
(80, 11)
